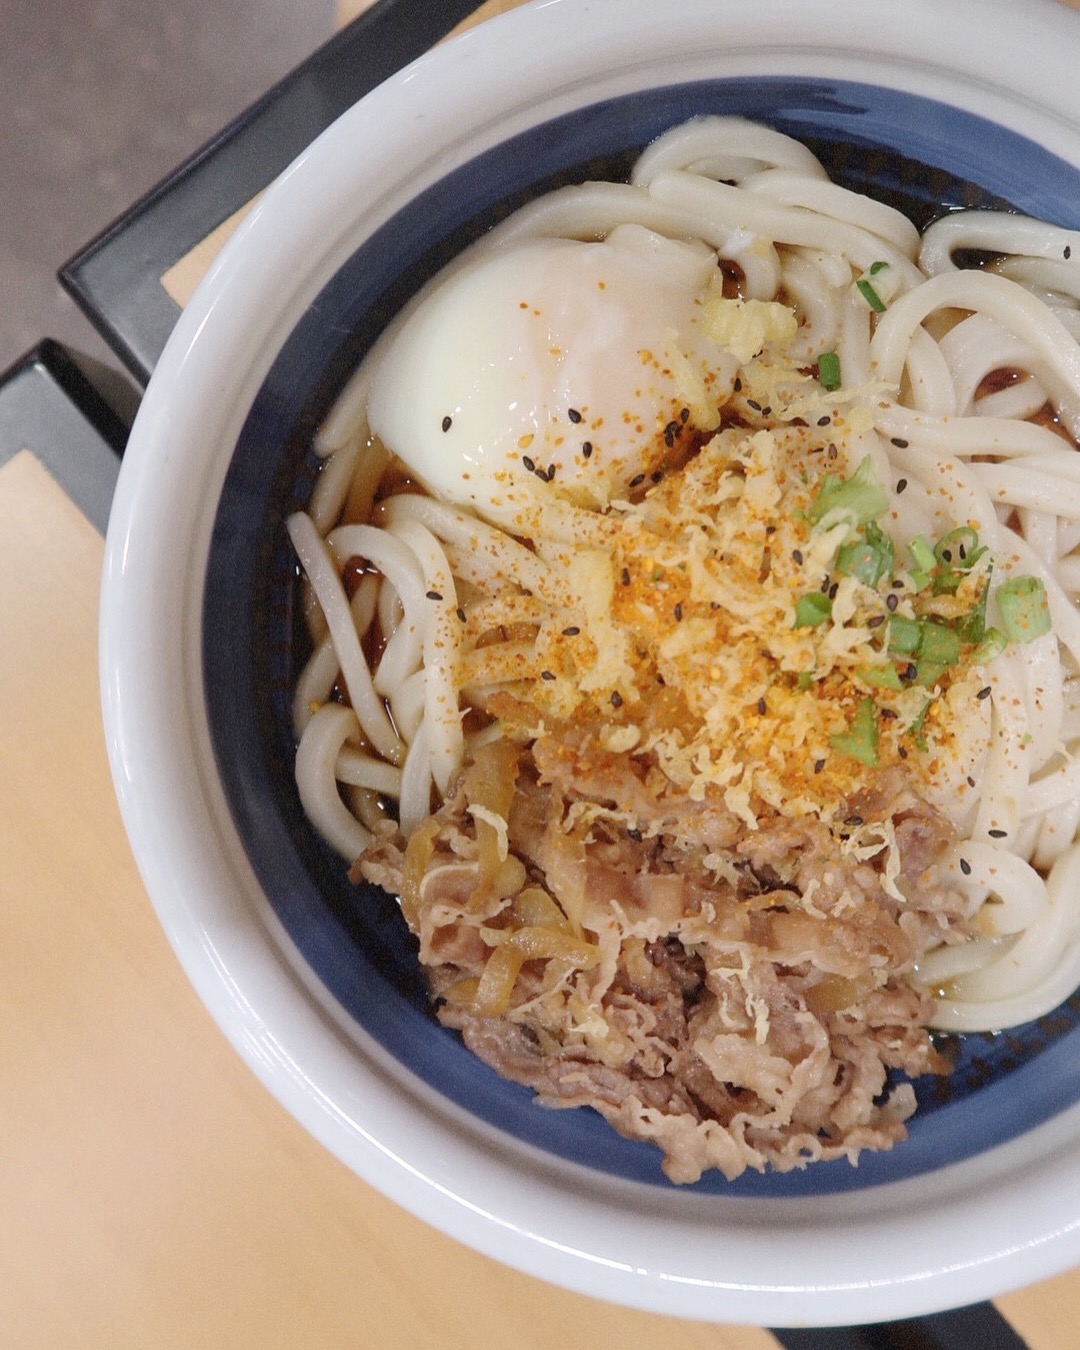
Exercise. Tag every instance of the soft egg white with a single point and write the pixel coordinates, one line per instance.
(550, 366)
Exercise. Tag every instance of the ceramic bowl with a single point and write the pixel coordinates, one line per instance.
(314, 980)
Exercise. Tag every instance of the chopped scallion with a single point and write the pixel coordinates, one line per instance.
(921, 554)
(866, 290)
(828, 371)
(1024, 608)
(878, 285)
(959, 549)
(938, 645)
(916, 728)
(859, 496)
(972, 627)
(860, 741)
(903, 634)
(880, 677)
(868, 559)
(992, 644)
(812, 609)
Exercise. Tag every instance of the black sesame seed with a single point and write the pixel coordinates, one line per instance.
(854, 821)
(946, 554)
(753, 403)
(901, 752)
(909, 672)
(761, 706)
(550, 472)
(635, 835)
(530, 464)
(875, 621)
(889, 714)
(899, 442)
(637, 480)
(892, 600)
(824, 421)
(737, 385)
(657, 475)
(901, 485)
(833, 589)
(616, 699)
(965, 867)
(998, 834)
(796, 554)
(970, 781)
(572, 631)
(447, 423)
(547, 674)
(625, 576)
(586, 448)
(461, 615)
(684, 415)
(819, 764)
(573, 415)
(984, 692)
(434, 595)
(678, 613)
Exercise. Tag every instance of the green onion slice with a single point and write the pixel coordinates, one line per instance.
(870, 295)
(812, 610)
(904, 634)
(922, 555)
(878, 285)
(880, 677)
(1024, 608)
(959, 549)
(916, 728)
(992, 644)
(860, 741)
(869, 558)
(828, 371)
(860, 496)
(938, 645)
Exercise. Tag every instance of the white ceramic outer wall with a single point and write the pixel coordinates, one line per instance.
(1000, 1220)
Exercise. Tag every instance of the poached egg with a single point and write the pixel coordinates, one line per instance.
(552, 366)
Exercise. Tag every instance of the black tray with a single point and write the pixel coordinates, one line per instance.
(74, 416)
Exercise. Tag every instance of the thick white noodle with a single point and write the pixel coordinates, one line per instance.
(316, 760)
(441, 647)
(319, 566)
(722, 144)
(992, 232)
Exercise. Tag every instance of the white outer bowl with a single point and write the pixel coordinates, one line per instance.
(1002, 1219)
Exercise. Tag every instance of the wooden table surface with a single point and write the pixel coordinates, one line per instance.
(154, 1196)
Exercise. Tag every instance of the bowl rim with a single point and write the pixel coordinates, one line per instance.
(493, 1194)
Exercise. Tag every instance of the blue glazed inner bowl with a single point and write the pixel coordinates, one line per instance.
(921, 156)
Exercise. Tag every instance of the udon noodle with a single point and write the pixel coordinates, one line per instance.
(646, 751)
